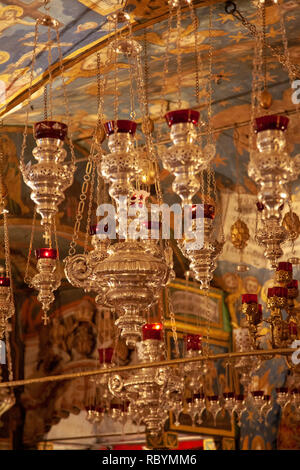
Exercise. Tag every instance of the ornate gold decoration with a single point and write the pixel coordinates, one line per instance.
(291, 223)
(266, 99)
(239, 234)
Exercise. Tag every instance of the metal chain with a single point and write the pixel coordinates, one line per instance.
(26, 275)
(144, 106)
(167, 50)
(66, 102)
(264, 55)
(173, 322)
(210, 65)
(209, 322)
(45, 103)
(6, 237)
(291, 71)
(33, 60)
(198, 61)
(276, 52)
(50, 73)
(179, 63)
(81, 205)
(116, 98)
(8, 263)
(256, 85)
(89, 170)
(166, 59)
(90, 206)
(8, 270)
(131, 93)
(8, 355)
(56, 247)
(99, 94)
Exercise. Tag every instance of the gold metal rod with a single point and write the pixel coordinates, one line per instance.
(147, 365)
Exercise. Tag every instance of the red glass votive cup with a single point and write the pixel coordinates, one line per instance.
(271, 122)
(193, 342)
(181, 116)
(123, 126)
(105, 355)
(4, 281)
(44, 253)
(249, 299)
(284, 266)
(208, 211)
(50, 130)
(152, 331)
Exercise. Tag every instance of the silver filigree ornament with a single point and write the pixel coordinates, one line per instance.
(120, 166)
(134, 277)
(150, 391)
(271, 167)
(185, 157)
(203, 255)
(50, 176)
(81, 270)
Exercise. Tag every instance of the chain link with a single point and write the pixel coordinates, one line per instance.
(90, 206)
(50, 73)
(144, 106)
(8, 355)
(8, 270)
(264, 55)
(27, 279)
(33, 60)
(81, 205)
(179, 62)
(198, 61)
(210, 65)
(276, 52)
(66, 102)
(173, 322)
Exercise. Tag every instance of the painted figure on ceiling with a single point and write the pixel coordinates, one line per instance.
(10, 15)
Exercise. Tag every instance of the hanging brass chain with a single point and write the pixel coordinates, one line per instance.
(81, 205)
(45, 102)
(90, 170)
(291, 70)
(144, 106)
(116, 97)
(27, 279)
(33, 60)
(56, 247)
(100, 117)
(198, 61)
(209, 324)
(210, 66)
(50, 73)
(179, 63)
(166, 59)
(8, 355)
(276, 52)
(5, 231)
(8, 263)
(90, 206)
(167, 50)
(257, 77)
(173, 322)
(66, 102)
(131, 93)
(264, 52)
